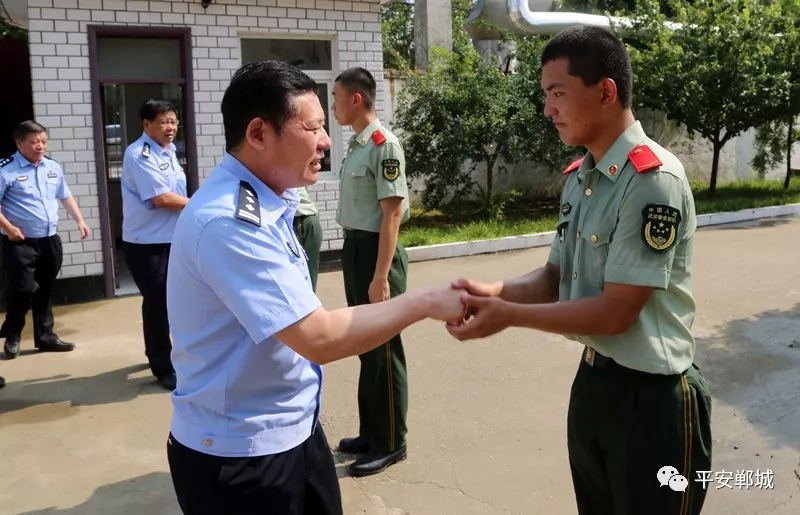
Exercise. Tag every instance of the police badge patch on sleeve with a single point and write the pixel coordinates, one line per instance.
(391, 169)
(660, 227)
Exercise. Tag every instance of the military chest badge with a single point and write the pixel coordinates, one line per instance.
(566, 208)
(391, 169)
(660, 226)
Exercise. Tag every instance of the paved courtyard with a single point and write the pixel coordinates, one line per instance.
(84, 433)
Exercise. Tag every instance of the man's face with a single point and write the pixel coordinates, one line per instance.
(294, 158)
(343, 105)
(576, 109)
(163, 128)
(33, 146)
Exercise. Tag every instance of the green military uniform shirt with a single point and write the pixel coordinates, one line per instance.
(373, 169)
(306, 206)
(631, 219)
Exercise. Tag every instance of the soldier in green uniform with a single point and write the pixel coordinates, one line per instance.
(373, 202)
(309, 232)
(618, 280)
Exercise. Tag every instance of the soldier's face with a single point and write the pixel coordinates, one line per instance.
(343, 105)
(163, 128)
(294, 158)
(576, 109)
(33, 146)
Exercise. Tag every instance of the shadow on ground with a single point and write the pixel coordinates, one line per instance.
(56, 397)
(753, 364)
(151, 493)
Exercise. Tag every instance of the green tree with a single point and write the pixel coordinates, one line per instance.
(719, 71)
(775, 139)
(465, 112)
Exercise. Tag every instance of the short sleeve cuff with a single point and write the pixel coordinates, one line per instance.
(156, 191)
(637, 276)
(64, 193)
(275, 322)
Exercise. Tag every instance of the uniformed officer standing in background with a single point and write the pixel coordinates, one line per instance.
(153, 195)
(309, 232)
(249, 333)
(373, 202)
(618, 280)
(30, 183)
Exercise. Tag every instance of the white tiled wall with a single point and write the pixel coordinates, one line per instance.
(62, 94)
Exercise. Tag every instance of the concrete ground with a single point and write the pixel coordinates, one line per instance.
(84, 433)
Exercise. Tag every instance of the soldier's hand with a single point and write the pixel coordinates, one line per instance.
(85, 231)
(378, 290)
(477, 288)
(444, 304)
(14, 234)
(487, 316)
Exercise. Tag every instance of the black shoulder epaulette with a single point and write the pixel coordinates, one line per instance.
(247, 208)
(5, 161)
(146, 150)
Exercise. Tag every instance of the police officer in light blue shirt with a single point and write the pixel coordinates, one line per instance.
(30, 187)
(249, 334)
(153, 195)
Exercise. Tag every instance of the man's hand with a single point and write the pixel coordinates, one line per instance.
(477, 288)
(489, 315)
(84, 229)
(444, 304)
(14, 234)
(378, 290)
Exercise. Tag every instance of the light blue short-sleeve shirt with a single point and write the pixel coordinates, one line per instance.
(149, 170)
(29, 194)
(237, 276)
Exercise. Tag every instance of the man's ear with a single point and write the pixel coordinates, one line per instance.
(358, 100)
(609, 91)
(256, 134)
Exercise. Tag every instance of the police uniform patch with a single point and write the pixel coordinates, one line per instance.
(247, 208)
(146, 150)
(660, 227)
(164, 166)
(5, 161)
(22, 178)
(52, 175)
(391, 169)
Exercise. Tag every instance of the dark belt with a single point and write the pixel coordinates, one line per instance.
(596, 360)
(358, 233)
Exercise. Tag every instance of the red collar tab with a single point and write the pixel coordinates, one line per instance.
(573, 166)
(643, 159)
(378, 138)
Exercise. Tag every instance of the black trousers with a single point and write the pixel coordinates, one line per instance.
(300, 481)
(148, 265)
(383, 380)
(623, 428)
(31, 267)
(309, 231)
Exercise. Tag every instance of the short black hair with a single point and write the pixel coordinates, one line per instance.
(359, 80)
(263, 89)
(593, 53)
(154, 107)
(22, 130)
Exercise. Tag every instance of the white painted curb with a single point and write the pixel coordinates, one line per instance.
(543, 239)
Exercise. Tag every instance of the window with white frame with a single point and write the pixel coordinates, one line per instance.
(315, 57)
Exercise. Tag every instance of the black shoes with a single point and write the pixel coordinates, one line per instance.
(357, 445)
(168, 381)
(374, 463)
(11, 348)
(2, 381)
(54, 344)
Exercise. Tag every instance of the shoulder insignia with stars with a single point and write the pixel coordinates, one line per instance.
(644, 159)
(146, 150)
(247, 208)
(573, 166)
(660, 227)
(5, 161)
(378, 138)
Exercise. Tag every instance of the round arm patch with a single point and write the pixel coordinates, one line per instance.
(660, 227)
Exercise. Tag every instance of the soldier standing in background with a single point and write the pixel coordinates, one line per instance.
(30, 183)
(309, 232)
(373, 202)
